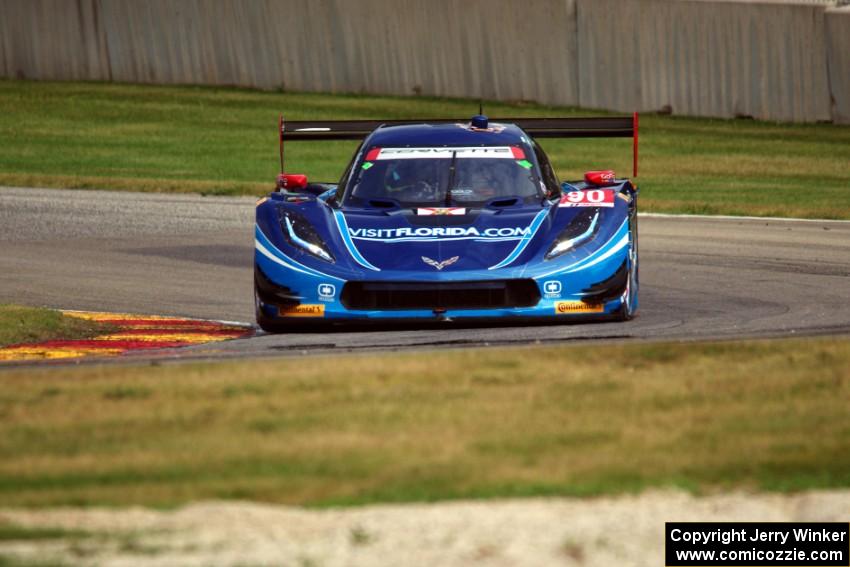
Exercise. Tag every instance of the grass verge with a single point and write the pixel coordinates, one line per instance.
(13, 561)
(13, 532)
(567, 420)
(224, 141)
(19, 324)
(50, 546)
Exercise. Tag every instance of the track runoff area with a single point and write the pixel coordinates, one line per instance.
(702, 278)
(190, 257)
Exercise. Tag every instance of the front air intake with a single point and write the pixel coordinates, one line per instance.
(439, 295)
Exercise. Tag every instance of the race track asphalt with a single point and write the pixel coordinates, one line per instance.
(188, 255)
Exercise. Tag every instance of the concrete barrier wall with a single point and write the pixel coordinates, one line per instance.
(51, 39)
(468, 48)
(838, 62)
(769, 59)
(706, 58)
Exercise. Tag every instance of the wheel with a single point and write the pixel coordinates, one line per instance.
(265, 322)
(268, 325)
(624, 313)
(627, 309)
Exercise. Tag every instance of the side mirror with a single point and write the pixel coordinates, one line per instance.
(291, 182)
(600, 178)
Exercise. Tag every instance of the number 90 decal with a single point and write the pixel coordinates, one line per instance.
(590, 198)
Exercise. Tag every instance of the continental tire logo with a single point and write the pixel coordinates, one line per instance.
(303, 310)
(562, 307)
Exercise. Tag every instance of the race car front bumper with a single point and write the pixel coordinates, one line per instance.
(600, 285)
(389, 301)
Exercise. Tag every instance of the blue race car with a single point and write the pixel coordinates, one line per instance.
(446, 220)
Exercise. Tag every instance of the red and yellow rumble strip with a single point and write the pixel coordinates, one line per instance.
(134, 332)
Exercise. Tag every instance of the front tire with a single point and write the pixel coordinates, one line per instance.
(628, 308)
(624, 314)
(266, 323)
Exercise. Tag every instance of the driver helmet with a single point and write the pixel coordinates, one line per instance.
(490, 177)
(409, 171)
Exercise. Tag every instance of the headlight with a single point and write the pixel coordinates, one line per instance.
(581, 229)
(299, 233)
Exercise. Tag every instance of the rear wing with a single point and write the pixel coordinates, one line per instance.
(589, 127)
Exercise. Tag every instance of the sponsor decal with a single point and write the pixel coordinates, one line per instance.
(327, 291)
(440, 265)
(490, 152)
(439, 232)
(429, 211)
(578, 307)
(552, 288)
(590, 198)
(302, 310)
(524, 163)
(367, 165)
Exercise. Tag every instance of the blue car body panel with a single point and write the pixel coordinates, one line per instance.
(384, 246)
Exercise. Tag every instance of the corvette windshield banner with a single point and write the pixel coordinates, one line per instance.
(491, 152)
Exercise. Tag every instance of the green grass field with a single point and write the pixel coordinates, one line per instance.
(19, 324)
(567, 420)
(224, 141)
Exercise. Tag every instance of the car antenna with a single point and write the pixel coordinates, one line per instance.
(480, 107)
(280, 129)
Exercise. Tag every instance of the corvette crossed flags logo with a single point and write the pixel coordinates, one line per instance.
(440, 265)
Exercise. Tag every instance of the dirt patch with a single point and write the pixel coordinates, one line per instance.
(626, 530)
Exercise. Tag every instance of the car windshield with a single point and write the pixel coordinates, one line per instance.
(437, 177)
